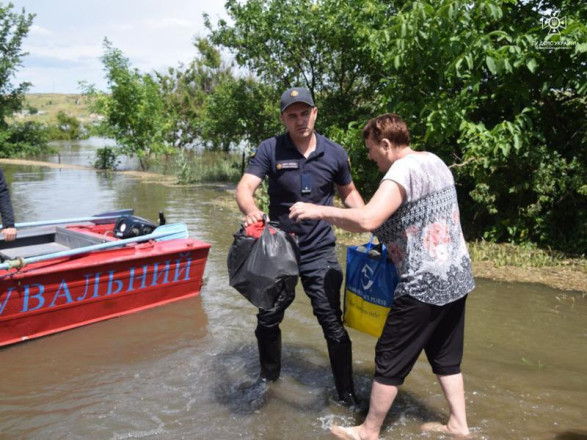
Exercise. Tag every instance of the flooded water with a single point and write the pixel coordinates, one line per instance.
(185, 370)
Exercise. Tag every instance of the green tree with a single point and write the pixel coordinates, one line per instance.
(67, 128)
(24, 140)
(134, 108)
(14, 27)
(185, 91)
(240, 111)
(15, 139)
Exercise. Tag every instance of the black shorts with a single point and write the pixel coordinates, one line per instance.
(413, 326)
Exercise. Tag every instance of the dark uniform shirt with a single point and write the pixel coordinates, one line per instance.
(293, 178)
(6, 211)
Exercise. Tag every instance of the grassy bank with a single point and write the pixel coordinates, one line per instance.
(508, 262)
(44, 107)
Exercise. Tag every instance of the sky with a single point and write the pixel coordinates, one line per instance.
(65, 41)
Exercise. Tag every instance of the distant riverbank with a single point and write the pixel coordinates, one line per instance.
(488, 259)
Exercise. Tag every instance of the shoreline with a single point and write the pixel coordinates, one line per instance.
(569, 279)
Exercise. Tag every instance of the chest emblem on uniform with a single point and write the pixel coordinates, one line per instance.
(287, 166)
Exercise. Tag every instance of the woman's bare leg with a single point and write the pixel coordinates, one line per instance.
(382, 397)
(453, 389)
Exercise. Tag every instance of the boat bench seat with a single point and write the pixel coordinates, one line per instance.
(74, 239)
(32, 250)
(44, 242)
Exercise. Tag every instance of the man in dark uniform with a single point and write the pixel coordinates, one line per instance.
(8, 229)
(302, 165)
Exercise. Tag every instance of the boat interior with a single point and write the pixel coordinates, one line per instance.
(45, 240)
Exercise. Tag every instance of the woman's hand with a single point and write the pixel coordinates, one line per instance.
(305, 211)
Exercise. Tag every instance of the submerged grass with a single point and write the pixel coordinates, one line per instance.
(208, 167)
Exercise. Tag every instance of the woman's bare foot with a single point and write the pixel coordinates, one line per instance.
(350, 433)
(439, 427)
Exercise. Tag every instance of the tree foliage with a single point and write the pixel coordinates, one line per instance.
(507, 113)
(24, 140)
(14, 27)
(489, 86)
(241, 111)
(134, 108)
(186, 90)
(15, 139)
(67, 128)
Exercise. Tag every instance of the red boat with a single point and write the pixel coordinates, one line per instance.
(67, 273)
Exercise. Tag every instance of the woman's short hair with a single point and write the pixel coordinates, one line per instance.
(388, 126)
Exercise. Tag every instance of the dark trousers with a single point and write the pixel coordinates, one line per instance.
(321, 278)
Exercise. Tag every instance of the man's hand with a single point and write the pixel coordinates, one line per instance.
(254, 217)
(9, 234)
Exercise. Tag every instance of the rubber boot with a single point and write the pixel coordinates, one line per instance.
(341, 361)
(269, 354)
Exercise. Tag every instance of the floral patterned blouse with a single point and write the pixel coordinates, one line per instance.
(424, 237)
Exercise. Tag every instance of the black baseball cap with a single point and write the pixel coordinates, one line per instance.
(293, 95)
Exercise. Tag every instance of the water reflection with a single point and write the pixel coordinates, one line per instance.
(188, 369)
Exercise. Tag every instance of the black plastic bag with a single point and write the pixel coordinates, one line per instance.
(264, 268)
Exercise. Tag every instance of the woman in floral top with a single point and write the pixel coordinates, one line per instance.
(416, 214)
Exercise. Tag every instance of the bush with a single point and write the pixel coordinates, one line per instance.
(67, 128)
(106, 159)
(20, 140)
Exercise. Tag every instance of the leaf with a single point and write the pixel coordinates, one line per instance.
(531, 64)
(517, 142)
(490, 62)
(396, 62)
(469, 59)
(505, 148)
(495, 11)
(458, 67)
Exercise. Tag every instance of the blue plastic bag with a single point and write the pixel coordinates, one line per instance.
(371, 280)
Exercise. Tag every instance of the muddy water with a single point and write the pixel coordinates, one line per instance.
(186, 370)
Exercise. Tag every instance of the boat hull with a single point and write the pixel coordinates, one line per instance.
(53, 296)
